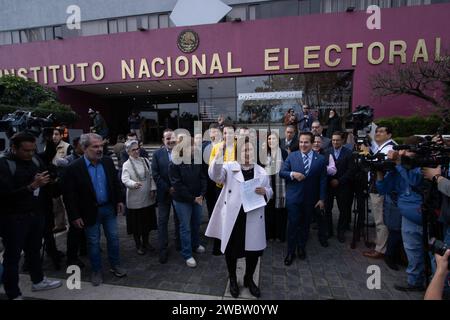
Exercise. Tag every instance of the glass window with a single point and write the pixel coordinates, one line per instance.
(153, 22)
(239, 12)
(15, 36)
(131, 24)
(304, 7)
(5, 38)
(24, 36)
(49, 33)
(316, 6)
(163, 21)
(122, 25)
(210, 109)
(277, 9)
(142, 22)
(57, 31)
(112, 26)
(92, 28)
(252, 12)
(217, 96)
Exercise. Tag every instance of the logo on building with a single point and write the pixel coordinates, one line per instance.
(188, 41)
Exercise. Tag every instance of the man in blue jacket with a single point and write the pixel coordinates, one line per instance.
(305, 173)
(405, 183)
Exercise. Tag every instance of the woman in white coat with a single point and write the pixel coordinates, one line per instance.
(137, 177)
(242, 234)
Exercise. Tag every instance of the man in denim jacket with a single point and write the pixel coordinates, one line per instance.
(406, 184)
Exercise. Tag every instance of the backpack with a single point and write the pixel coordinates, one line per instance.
(12, 164)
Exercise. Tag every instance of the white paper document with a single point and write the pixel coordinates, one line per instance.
(250, 199)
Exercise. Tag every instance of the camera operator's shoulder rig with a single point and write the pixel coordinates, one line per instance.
(428, 154)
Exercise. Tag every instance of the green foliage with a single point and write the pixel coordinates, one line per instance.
(28, 95)
(407, 126)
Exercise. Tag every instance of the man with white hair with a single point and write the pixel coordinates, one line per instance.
(93, 197)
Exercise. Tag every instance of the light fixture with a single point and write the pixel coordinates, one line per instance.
(167, 97)
(134, 99)
(148, 101)
(350, 9)
(120, 92)
(253, 80)
(179, 89)
(137, 87)
(149, 90)
(170, 84)
(291, 78)
(107, 88)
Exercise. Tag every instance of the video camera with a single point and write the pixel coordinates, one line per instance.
(360, 121)
(428, 154)
(372, 163)
(20, 120)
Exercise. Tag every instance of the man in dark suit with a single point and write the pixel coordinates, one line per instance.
(340, 186)
(305, 119)
(317, 129)
(290, 141)
(164, 190)
(305, 173)
(93, 196)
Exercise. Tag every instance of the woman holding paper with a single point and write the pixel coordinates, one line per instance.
(242, 234)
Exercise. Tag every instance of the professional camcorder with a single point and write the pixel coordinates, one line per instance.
(427, 154)
(20, 120)
(360, 121)
(374, 163)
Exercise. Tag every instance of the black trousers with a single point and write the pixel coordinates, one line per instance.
(76, 243)
(394, 245)
(21, 232)
(344, 199)
(251, 260)
(276, 221)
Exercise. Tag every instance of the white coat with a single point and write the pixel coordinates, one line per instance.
(229, 203)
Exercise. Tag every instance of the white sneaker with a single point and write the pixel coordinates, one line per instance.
(46, 284)
(200, 249)
(18, 298)
(191, 263)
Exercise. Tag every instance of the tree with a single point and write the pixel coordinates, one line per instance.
(23, 94)
(429, 82)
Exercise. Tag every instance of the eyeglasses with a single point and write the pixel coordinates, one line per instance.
(135, 149)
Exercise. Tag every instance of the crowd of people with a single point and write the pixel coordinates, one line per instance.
(296, 181)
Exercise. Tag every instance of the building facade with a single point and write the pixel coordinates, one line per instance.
(262, 59)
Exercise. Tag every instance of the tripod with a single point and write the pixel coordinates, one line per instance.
(361, 212)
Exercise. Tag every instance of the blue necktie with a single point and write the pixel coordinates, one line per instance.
(306, 163)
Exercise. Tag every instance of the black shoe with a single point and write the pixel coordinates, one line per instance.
(289, 259)
(76, 262)
(409, 288)
(234, 288)
(324, 243)
(341, 237)
(252, 287)
(301, 253)
(216, 252)
(163, 257)
(390, 263)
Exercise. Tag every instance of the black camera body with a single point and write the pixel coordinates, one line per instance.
(373, 163)
(21, 120)
(438, 247)
(360, 121)
(427, 154)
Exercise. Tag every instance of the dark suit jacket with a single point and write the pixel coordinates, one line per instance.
(293, 146)
(344, 166)
(79, 194)
(160, 173)
(311, 189)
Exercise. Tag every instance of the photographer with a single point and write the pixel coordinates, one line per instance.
(405, 183)
(23, 191)
(382, 144)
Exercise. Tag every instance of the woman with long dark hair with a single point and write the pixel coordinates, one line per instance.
(334, 123)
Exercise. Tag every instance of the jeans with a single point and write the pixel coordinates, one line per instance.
(108, 219)
(190, 216)
(21, 232)
(413, 243)
(163, 222)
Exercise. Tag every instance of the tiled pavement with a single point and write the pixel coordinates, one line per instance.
(336, 272)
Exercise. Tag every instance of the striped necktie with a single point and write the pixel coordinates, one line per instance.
(306, 163)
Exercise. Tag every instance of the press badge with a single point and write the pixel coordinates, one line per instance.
(36, 192)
